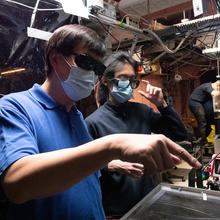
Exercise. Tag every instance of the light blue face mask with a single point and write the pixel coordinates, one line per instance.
(79, 84)
(123, 93)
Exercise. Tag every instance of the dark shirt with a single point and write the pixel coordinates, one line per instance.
(202, 93)
(201, 105)
(209, 112)
(121, 192)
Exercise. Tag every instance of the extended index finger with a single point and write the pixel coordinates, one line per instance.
(181, 153)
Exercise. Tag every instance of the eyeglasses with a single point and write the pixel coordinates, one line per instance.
(125, 83)
(86, 62)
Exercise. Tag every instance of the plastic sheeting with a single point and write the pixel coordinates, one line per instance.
(17, 50)
(168, 202)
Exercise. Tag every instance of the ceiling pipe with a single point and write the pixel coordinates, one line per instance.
(134, 43)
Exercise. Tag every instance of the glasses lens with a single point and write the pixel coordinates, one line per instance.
(88, 63)
(125, 83)
(84, 61)
(121, 83)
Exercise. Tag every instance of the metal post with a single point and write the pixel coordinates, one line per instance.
(34, 13)
(134, 45)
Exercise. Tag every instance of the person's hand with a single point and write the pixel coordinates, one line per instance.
(153, 94)
(216, 99)
(156, 152)
(134, 170)
(216, 85)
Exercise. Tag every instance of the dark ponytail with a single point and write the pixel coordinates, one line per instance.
(103, 93)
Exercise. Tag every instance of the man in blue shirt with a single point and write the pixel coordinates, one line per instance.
(48, 161)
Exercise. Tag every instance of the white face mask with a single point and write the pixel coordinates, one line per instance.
(79, 84)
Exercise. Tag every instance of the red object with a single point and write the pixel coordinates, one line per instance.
(140, 68)
(117, 0)
(213, 174)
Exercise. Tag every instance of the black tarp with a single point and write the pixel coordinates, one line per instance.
(17, 50)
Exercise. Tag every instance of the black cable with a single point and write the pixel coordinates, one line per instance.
(199, 29)
(218, 5)
(207, 26)
(199, 54)
(198, 39)
(107, 30)
(183, 61)
(216, 34)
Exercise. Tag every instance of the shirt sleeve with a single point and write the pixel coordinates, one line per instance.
(168, 122)
(16, 137)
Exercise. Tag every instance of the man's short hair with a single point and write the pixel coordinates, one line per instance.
(68, 39)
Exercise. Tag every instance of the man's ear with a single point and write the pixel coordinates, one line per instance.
(54, 58)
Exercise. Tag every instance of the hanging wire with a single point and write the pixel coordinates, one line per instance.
(186, 62)
(199, 54)
(39, 9)
(165, 48)
(133, 16)
(107, 31)
(199, 76)
(211, 2)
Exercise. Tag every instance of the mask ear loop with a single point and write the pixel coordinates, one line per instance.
(56, 71)
(58, 76)
(67, 62)
(95, 79)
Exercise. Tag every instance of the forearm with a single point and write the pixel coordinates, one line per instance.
(46, 174)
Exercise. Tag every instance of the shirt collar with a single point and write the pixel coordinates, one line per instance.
(42, 97)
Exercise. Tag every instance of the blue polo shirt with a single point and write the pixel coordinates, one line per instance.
(32, 123)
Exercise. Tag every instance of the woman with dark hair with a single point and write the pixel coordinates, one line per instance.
(123, 184)
(115, 62)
